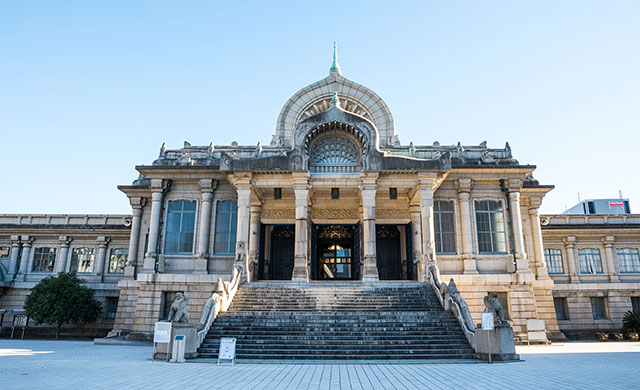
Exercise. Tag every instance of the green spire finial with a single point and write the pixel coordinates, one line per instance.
(335, 99)
(334, 66)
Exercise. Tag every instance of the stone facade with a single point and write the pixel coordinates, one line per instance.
(616, 284)
(335, 167)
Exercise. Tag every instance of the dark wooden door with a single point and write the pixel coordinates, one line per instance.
(282, 252)
(388, 252)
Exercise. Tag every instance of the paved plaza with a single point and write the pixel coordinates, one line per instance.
(45, 364)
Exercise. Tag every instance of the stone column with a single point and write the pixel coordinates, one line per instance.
(254, 240)
(243, 188)
(464, 202)
(154, 225)
(61, 262)
(368, 188)
(204, 229)
(13, 258)
(132, 256)
(416, 231)
(536, 232)
(425, 188)
(26, 251)
(608, 242)
(569, 245)
(516, 224)
(101, 255)
(301, 190)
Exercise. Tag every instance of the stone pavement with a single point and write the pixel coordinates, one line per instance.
(45, 364)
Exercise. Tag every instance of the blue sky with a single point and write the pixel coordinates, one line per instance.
(88, 90)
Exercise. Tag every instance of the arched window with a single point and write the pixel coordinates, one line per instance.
(334, 152)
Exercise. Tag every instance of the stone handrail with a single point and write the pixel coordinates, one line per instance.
(219, 302)
(451, 300)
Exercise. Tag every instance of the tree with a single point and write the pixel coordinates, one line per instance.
(62, 299)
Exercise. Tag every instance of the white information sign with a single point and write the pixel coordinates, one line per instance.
(227, 349)
(162, 332)
(487, 321)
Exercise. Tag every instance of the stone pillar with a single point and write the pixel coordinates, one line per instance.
(132, 256)
(204, 230)
(26, 251)
(13, 258)
(425, 188)
(516, 224)
(538, 247)
(301, 190)
(243, 188)
(368, 188)
(61, 262)
(569, 245)
(101, 255)
(154, 225)
(466, 224)
(612, 271)
(416, 231)
(254, 240)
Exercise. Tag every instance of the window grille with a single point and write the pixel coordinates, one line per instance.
(82, 260)
(181, 219)
(590, 261)
(226, 225)
(117, 260)
(44, 259)
(553, 258)
(490, 227)
(628, 260)
(445, 226)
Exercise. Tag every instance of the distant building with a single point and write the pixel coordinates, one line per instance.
(601, 206)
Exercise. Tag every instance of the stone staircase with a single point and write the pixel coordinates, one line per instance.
(336, 321)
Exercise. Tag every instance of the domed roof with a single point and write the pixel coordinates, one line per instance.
(316, 98)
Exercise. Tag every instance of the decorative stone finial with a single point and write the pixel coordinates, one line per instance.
(334, 99)
(334, 66)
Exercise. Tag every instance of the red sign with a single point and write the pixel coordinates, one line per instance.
(614, 203)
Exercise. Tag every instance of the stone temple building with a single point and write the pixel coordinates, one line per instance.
(334, 197)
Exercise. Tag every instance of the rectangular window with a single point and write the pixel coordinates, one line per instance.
(44, 259)
(226, 225)
(277, 193)
(393, 193)
(504, 302)
(560, 304)
(598, 308)
(335, 193)
(553, 258)
(635, 304)
(590, 261)
(111, 308)
(167, 299)
(181, 219)
(117, 260)
(445, 226)
(82, 260)
(628, 260)
(490, 227)
(4, 252)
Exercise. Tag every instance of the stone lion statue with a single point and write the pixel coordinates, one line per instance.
(492, 305)
(241, 252)
(178, 311)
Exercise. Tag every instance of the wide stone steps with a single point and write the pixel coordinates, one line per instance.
(338, 322)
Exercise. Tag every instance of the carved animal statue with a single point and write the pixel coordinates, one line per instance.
(241, 252)
(178, 311)
(492, 305)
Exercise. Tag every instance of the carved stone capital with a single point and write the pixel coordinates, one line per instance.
(465, 185)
